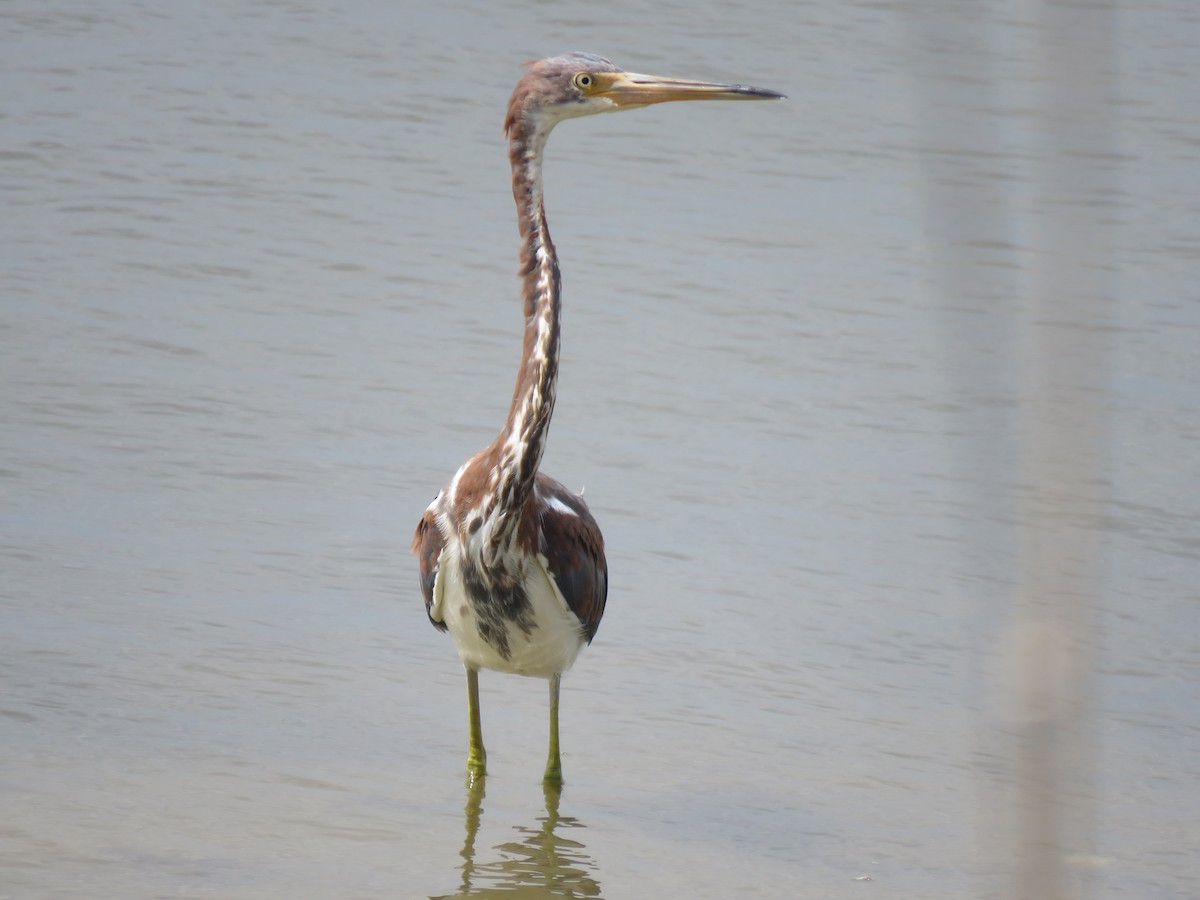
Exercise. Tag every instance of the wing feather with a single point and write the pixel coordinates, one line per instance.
(570, 540)
(427, 545)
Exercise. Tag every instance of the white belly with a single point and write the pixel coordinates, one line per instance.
(549, 648)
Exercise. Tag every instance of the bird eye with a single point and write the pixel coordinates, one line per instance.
(582, 80)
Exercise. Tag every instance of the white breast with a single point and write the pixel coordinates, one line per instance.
(551, 645)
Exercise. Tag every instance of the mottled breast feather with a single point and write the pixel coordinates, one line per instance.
(570, 540)
(427, 545)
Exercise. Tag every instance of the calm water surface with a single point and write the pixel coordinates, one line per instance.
(258, 304)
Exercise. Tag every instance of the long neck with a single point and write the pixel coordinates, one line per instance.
(522, 440)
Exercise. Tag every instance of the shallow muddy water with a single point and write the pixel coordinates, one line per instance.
(258, 304)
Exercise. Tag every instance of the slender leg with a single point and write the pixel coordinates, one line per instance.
(554, 761)
(476, 755)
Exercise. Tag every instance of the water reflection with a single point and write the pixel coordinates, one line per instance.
(541, 862)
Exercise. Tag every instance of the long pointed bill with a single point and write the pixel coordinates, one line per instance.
(628, 89)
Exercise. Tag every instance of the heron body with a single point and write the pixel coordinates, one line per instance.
(512, 563)
(515, 617)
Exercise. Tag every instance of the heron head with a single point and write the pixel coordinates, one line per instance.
(582, 84)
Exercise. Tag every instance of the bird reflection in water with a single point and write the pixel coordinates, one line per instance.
(541, 862)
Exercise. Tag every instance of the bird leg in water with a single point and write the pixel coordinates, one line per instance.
(476, 755)
(554, 761)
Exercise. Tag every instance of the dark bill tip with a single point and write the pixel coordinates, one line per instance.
(757, 92)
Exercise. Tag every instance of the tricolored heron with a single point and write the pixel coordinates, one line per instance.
(512, 563)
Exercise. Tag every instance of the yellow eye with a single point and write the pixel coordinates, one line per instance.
(583, 81)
